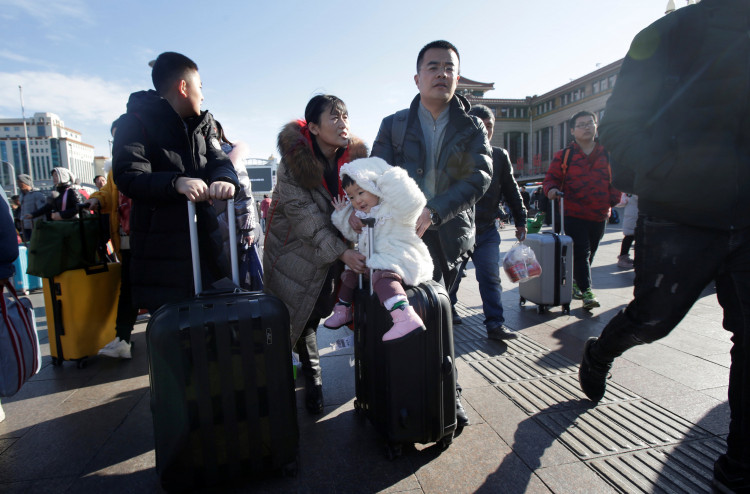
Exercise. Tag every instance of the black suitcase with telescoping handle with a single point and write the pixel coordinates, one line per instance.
(406, 387)
(222, 390)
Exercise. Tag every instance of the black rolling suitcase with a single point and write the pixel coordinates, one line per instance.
(406, 387)
(222, 391)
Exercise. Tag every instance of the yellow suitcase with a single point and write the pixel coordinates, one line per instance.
(81, 307)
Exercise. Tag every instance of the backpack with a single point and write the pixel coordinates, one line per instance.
(398, 132)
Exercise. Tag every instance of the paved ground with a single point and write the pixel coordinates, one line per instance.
(658, 429)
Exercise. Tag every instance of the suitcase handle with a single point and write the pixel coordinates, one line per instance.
(195, 254)
(562, 215)
(370, 224)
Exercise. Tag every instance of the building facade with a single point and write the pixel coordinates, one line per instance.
(50, 145)
(535, 128)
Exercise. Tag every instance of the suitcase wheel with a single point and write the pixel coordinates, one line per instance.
(541, 309)
(393, 450)
(445, 442)
(56, 362)
(522, 301)
(81, 364)
(566, 309)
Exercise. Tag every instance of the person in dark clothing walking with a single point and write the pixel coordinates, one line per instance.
(166, 153)
(680, 115)
(486, 254)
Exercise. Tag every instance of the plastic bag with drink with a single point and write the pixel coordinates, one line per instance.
(520, 263)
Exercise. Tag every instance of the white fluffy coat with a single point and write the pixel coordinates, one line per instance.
(396, 246)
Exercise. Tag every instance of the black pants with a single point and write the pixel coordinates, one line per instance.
(673, 264)
(586, 236)
(126, 313)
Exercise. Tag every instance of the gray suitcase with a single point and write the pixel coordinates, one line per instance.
(555, 254)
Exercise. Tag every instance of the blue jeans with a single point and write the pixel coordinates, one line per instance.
(586, 236)
(487, 261)
(673, 264)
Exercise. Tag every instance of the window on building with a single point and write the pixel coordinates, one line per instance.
(517, 144)
(596, 87)
(563, 134)
(545, 143)
(604, 84)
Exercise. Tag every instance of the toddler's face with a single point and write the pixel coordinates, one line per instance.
(360, 198)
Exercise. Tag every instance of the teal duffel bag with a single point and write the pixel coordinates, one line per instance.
(62, 245)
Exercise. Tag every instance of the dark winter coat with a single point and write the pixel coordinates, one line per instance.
(587, 186)
(60, 202)
(464, 169)
(678, 120)
(8, 239)
(153, 147)
(503, 186)
(301, 242)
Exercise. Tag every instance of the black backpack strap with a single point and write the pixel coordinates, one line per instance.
(398, 131)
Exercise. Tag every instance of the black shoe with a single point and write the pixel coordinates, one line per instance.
(462, 420)
(501, 332)
(592, 375)
(730, 477)
(456, 318)
(314, 398)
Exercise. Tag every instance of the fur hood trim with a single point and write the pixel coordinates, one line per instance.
(297, 153)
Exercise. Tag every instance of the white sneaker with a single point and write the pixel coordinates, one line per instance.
(2, 413)
(116, 348)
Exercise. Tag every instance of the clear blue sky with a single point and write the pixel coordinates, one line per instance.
(260, 62)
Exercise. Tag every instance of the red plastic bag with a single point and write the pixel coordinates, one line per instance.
(520, 263)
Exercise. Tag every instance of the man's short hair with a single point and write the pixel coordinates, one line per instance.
(442, 44)
(483, 112)
(98, 176)
(584, 113)
(168, 68)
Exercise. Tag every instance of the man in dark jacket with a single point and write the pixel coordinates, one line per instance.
(447, 153)
(486, 254)
(680, 115)
(31, 200)
(166, 150)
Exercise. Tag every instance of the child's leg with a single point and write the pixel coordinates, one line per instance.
(348, 283)
(390, 291)
(388, 288)
(342, 311)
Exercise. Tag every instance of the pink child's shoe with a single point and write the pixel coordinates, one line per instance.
(405, 320)
(342, 315)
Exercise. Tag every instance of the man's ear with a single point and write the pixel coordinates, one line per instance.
(416, 79)
(182, 88)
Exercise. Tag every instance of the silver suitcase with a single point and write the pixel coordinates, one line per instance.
(555, 254)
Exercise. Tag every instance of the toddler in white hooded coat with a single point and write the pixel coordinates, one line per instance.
(377, 190)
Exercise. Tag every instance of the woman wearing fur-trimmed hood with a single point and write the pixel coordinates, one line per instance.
(304, 254)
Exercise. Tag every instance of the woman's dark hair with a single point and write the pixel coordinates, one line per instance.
(220, 133)
(346, 181)
(313, 111)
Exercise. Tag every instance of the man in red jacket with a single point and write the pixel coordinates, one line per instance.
(585, 180)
